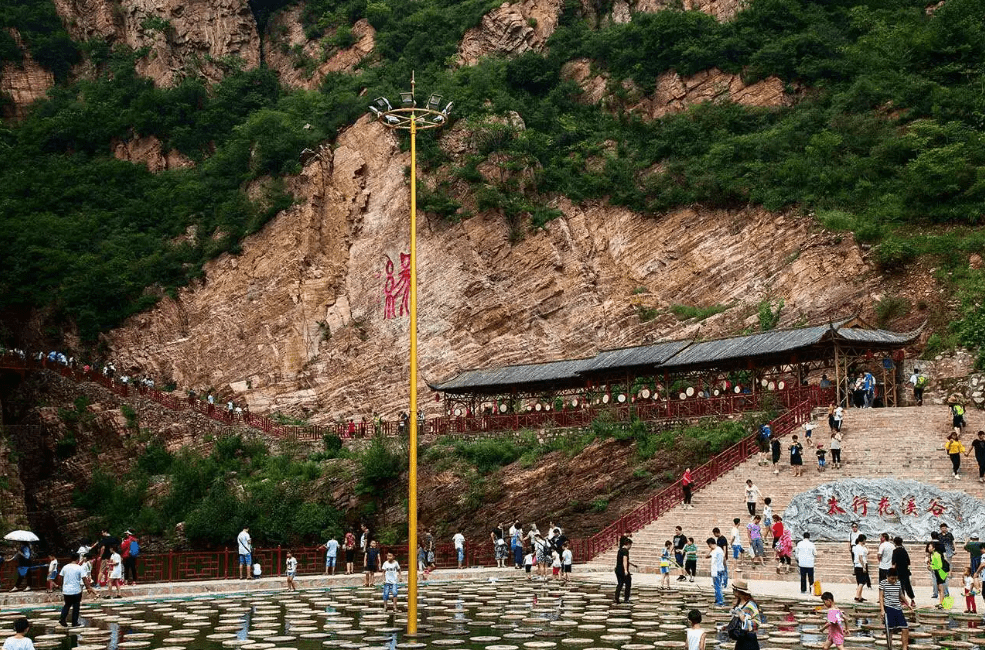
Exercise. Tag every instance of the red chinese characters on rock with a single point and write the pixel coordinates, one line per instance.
(860, 506)
(397, 288)
(833, 507)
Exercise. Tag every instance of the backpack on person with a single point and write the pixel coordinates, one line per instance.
(134, 548)
(945, 565)
(921, 381)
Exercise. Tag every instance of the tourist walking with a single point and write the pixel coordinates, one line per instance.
(919, 381)
(748, 612)
(245, 544)
(978, 445)
(735, 540)
(717, 568)
(797, 457)
(783, 543)
(459, 541)
(852, 538)
(832, 426)
(115, 563)
(691, 559)
(624, 577)
(696, 637)
(776, 450)
(806, 556)
(755, 531)
(954, 449)
(901, 562)
(680, 542)
(74, 576)
(516, 540)
(974, 548)
(885, 555)
(947, 540)
(834, 623)
(861, 563)
(391, 578)
(499, 545)
(129, 550)
(753, 495)
(24, 557)
(957, 415)
(722, 544)
(349, 547)
(891, 601)
(291, 566)
(836, 450)
(371, 562)
(686, 486)
(331, 554)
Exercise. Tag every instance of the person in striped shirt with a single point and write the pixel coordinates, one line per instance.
(891, 602)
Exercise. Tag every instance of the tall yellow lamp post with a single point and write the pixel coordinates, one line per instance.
(409, 117)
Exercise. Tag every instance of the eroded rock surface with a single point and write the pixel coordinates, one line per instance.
(296, 322)
(185, 37)
(23, 83)
(511, 29)
(147, 151)
(300, 62)
(673, 93)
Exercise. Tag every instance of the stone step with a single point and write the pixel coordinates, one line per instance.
(902, 443)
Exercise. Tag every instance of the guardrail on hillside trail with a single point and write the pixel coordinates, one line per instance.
(672, 496)
(465, 425)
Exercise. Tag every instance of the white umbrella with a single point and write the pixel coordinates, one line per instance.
(21, 536)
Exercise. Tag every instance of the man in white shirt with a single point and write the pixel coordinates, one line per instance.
(735, 540)
(717, 555)
(459, 541)
(73, 577)
(391, 576)
(860, 559)
(331, 554)
(806, 554)
(245, 544)
(885, 552)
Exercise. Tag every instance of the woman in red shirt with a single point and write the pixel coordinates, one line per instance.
(686, 482)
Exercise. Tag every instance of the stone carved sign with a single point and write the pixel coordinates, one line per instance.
(909, 509)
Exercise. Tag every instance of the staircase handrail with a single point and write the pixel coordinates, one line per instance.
(672, 495)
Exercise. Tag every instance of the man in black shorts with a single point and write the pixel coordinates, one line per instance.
(891, 601)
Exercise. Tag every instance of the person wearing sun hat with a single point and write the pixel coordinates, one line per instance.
(747, 609)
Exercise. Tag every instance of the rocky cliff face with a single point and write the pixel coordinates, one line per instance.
(673, 93)
(511, 29)
(184, 37)
(23, 83)
(148, 151)
(301, 62)
(297, 321)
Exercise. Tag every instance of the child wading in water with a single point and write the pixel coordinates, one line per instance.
(391, 576)
(695, 635)
(292, 569)
(836, 626)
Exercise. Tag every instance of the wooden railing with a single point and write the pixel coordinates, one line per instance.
(671, 496)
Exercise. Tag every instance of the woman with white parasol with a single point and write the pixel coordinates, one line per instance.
(23, 556)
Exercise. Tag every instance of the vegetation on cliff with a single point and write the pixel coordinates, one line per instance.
(885, 132)
(293, 496)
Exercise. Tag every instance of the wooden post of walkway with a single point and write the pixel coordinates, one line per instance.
(837, 378)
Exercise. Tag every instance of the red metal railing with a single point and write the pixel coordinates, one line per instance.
(672, 495)
(224, 564)
(655, 409)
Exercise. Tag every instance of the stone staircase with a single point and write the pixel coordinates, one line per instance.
(901, 443)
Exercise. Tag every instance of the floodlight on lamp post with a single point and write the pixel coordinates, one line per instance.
(411, 118)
